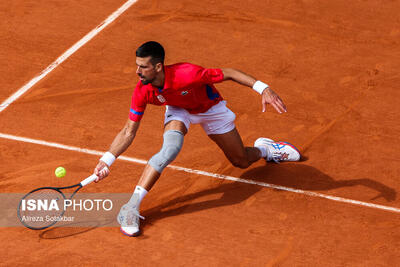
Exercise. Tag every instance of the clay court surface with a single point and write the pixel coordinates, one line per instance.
(334, 63)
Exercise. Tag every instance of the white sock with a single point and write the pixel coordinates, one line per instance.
(142, 193)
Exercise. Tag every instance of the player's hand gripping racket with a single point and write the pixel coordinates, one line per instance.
(36, 207)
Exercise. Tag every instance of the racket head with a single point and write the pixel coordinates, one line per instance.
(38, 209)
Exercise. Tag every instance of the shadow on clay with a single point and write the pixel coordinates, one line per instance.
(296, 176)
(73, 229)
(289, 175)
(305, 177)
(230, 194)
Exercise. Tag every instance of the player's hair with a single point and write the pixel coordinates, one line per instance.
(152, 49)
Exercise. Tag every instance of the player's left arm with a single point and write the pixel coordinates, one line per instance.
(267, 94)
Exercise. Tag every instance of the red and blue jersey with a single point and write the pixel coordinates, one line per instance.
(186, 86)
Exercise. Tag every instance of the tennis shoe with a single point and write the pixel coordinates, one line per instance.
(278, 151)
(129, 218)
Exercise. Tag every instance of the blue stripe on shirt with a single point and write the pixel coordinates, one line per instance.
(136, 112)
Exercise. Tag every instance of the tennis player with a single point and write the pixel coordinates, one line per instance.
(190, 97)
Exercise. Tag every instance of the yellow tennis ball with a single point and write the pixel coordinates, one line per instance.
(60, 172)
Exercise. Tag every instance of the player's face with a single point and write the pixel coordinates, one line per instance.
(146, 70)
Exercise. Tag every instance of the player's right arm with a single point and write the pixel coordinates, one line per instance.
(121, 142)
(125, 137)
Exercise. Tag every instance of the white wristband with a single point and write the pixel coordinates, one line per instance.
(259, 86)
(108, 158)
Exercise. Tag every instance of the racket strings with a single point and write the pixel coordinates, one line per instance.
(41, 208)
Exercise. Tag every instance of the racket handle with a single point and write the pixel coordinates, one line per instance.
(89, 180)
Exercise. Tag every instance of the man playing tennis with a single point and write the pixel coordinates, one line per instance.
(190, 97)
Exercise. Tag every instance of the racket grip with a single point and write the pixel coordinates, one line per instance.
(89, 180)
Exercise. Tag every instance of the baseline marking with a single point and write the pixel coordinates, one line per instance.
(204, 173)
(66, 54)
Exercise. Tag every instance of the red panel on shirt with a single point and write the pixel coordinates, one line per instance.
(186, 86)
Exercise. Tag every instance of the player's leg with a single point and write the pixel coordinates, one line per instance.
(176, 126)
(174, 131)
(129, 216)
(218, 122)
(242, 157)
(232, 145)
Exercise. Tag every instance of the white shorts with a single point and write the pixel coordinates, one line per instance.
(216, 120)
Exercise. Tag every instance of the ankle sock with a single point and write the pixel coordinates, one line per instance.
(141, 193)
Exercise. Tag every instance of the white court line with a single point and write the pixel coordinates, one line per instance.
(204, 173)
(66, 55)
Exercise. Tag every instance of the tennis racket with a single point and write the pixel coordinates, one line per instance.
(38, 208)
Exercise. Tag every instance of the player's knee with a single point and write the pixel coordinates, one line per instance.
(171, 152)
(173, 141)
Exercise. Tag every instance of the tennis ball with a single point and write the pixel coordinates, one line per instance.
(60, 172)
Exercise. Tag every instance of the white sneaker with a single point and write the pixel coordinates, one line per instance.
(278, 151)
(129, 219)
